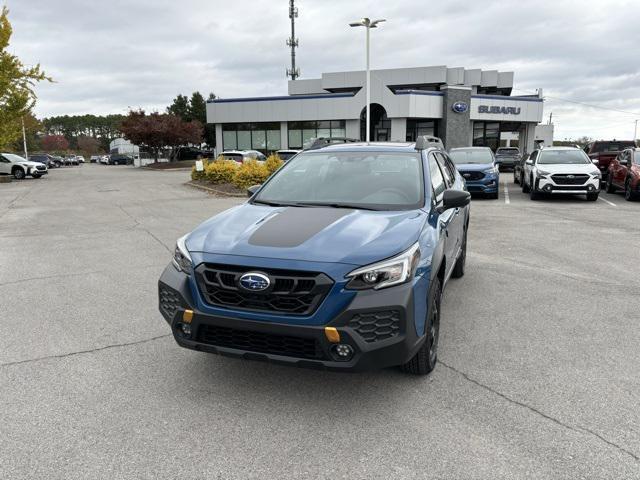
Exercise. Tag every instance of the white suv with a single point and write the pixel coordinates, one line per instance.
(561, 170)
(11, 164)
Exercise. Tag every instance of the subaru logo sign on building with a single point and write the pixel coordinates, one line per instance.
(255, 282)
(459, 107)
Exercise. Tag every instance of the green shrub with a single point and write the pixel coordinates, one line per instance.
(250, 173)
(273, 163)
(220, 171)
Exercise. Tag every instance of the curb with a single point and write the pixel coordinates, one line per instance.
(186, 169)
(214, 191)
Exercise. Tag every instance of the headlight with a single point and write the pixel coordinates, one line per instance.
(491, 170)
(387, 273)
(181, 258)
(542, 173)
(596, 174)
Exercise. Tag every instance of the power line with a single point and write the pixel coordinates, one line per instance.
(587, 104)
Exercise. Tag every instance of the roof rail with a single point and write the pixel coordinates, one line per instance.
(320, 142)
(428, 141)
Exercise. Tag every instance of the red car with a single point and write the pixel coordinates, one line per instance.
(606, 150)
(624, 172)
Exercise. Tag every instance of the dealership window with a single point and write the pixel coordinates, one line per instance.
(264, 137)
(486, 134)
(302, 132)
(420, 126)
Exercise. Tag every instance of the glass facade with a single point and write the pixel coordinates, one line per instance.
(302, 132)
(264, 137)
(486, 134)
(420, 126)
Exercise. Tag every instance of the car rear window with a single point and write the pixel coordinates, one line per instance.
(599, 147)
(509, 150)
(236, 157)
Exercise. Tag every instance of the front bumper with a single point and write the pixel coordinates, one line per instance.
(378, 325)
(547, 185)
(488, 184)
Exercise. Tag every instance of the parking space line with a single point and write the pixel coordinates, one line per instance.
(607, 201)
(506, 192)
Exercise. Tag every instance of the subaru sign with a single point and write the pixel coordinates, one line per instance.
(499, 110)
(459, 107)
(254, 282)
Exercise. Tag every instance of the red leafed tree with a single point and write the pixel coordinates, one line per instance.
(54, 143)
(158, 130)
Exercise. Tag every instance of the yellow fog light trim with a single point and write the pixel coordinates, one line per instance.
(187, 316)
(332, 334)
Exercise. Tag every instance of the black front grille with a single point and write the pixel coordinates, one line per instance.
(290, 292)
(40, 167)
(472, 175)
(259, 342)
(375, 326)
(566, 179)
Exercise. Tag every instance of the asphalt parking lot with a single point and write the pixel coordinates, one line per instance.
(538, 373)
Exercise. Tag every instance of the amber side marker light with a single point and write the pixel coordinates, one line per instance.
(187, 316)
(332, 334)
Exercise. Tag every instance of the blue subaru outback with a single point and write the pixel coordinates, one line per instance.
(337, 261)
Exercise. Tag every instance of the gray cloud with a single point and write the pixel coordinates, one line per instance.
(110, 55)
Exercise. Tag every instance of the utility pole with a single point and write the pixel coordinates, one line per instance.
(292, 41)
(24, 140)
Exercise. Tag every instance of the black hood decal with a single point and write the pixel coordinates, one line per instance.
(294, 225)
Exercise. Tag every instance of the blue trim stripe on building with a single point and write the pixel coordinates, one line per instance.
(419, 92)
(284, 97)
(502, 97)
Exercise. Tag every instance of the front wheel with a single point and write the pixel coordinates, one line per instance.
(516, 179)
(458, 269)
(424, 361)
(525, 187)
(610, 188)
(592, 197)
(533, 194)
(18, 173)
(629, 196)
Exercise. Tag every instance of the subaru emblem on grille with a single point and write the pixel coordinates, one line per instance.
(571, 176)
(255, 282)
(466, 175)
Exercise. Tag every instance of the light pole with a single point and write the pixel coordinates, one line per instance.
(368, 24)
(24, 140)
(635, 132)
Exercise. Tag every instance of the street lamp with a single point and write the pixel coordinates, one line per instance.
(368, 24)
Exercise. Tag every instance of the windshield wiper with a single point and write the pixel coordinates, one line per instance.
(275, 204)
(336, 205)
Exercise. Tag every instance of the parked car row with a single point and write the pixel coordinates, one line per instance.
(55, 161)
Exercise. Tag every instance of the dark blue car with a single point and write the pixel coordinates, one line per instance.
(479, 168)
(338, 261)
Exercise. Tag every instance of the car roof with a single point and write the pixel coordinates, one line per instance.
(561, 148)
(370, 147)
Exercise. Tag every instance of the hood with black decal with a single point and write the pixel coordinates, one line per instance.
(315, 234)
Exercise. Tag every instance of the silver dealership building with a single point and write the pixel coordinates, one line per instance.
(463, 107)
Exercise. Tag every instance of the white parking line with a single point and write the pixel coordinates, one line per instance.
(506, 192)
(607, 201)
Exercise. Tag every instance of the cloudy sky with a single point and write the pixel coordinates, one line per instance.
(108, 55)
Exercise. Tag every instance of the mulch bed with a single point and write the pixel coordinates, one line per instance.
(221, 189)
(171, 165)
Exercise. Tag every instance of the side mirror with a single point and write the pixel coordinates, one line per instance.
(623, 162)
(595, 161)
(529, 161)
(252, 190)
(454, 199)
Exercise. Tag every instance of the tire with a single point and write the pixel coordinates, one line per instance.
(18, 174)
(629, 196)
(494, 196)
(533, 195)
(592, 197)
(516, 179)
(610, 188)
(458, 269)
(425, 359)
(525, 187)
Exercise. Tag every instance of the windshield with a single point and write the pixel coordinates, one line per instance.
(508, 151)
(368, 180)
(461, 157)
(572, 157)
(13, 158)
